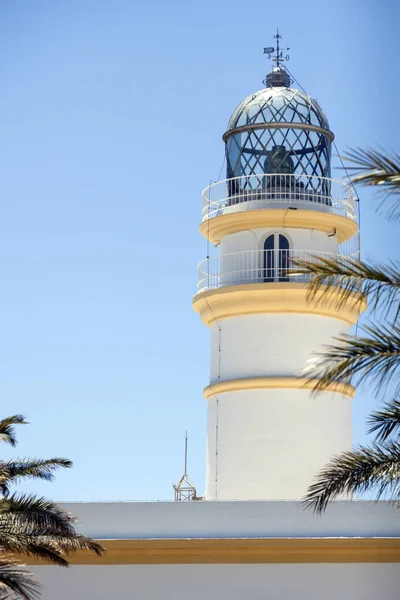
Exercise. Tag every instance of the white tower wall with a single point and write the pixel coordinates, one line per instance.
(270, 444)
(268, 439)
(269, 345)
(301, 239)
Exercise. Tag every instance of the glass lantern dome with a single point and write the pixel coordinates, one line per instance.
(279, 131)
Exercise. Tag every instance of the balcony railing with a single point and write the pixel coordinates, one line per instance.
(258, 266)
(255, 192)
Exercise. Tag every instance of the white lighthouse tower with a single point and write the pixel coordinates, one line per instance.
(268, 435)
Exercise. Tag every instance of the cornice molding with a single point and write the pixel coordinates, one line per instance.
(215, 228)
(270, 383)
(240, 551)
(276, 297)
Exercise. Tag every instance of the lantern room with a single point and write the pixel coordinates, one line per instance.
(279, 139)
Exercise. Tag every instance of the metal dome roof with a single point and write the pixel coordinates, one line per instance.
(279, 105)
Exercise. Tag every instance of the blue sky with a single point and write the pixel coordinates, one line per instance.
(111, 116)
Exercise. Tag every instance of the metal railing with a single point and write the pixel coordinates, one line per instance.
(257, 266)
(255, 192)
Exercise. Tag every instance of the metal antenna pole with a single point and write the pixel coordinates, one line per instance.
(184, 489)
(277, 47)
(186, 452)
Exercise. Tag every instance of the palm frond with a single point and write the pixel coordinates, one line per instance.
(30, 525)
(16, 582)
(27, 513)
(374, 168)
(40, 548)
(12, 471)
(385, 422)
(37, 527)
(54, 549)
(71, 544)
(376, 357)
(350, 277)
(7, 429)
(375, 468)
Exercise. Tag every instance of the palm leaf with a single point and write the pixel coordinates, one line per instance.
(16, 582)
(31, 513)
(385, 422)
(376, 357)
(30, 525)
(20, 544)
(13, 471)
(40, 528)
(374, 168)
(375, 468)
(53, 548)
(350, 277)
(71, 544)
(7, 429)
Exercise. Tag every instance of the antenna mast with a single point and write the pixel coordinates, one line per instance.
(184, 489)
(186, 450)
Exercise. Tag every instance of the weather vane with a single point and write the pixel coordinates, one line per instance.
(279, 57)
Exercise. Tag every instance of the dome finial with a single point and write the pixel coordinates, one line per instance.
(278, 76)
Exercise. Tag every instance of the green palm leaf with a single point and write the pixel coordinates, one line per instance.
(7, 429)
(13, 471)
(41, 528)
(376, 357)
(31, 512)
(19, 544)
(375, 468)
(16, 582)
(349, 277)
(385, 422)
(53, 548)
(374, 168)
(33, 526)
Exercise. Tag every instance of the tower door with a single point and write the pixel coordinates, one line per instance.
(276, 254)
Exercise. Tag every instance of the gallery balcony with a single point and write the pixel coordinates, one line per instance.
(268, 281)
(255, 192)
(279, 200)
(257, 266)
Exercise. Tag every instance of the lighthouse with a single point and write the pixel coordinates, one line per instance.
(268, 432)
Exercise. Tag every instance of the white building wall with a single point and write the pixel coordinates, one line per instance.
(269, 345)
(269, 444)
(216, 582)
(149, 520)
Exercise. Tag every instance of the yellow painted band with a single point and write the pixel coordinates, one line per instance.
(274, 383)
(215, 228)
(240, 551)
(277, 297)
